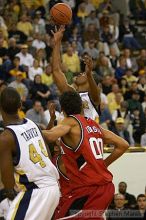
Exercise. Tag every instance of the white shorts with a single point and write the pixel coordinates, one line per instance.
(36, 204)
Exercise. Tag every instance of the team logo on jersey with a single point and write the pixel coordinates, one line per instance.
(85, 104)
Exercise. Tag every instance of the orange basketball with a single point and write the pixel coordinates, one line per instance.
(61, 13)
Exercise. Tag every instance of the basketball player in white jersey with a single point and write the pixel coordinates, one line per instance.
(84, 82)
(24, 162)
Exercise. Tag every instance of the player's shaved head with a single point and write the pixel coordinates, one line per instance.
(10, 101)
(71, 103)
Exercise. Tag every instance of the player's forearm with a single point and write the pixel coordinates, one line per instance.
(117, 152)
(50, 124)
(94, 90)
(56, 58)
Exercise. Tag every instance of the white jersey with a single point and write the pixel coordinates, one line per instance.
(89, 109)
(33, 168)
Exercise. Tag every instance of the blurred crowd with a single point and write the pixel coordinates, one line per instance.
(112, 32)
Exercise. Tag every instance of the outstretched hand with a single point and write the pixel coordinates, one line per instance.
(52, 108)
(89, 64)
(58, 33)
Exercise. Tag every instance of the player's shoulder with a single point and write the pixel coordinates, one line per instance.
(69, 120)
(6, 139)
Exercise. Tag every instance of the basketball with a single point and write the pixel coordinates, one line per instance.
(61, 13)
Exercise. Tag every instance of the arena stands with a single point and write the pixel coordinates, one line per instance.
(113, 34)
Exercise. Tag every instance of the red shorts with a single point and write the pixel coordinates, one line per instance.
(86, 203)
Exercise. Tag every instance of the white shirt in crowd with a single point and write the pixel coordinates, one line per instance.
(38, 44)
(4, 208)
(143, 140)
(26, 60)
(104, 98)
(33, 72)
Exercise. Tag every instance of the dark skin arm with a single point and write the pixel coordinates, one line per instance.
(52, 116)
(120, 145)
(7, 147)
(58, 75)
(94, 90)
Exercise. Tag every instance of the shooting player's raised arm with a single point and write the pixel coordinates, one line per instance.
(58, 75)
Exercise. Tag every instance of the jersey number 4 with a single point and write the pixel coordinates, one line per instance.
(96, 147)
(35, 157)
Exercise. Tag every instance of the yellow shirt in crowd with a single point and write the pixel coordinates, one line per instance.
(25, 27)
(96, 3)
(48, 80)
(72, 62)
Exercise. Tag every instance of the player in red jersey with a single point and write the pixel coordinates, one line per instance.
(82, 140)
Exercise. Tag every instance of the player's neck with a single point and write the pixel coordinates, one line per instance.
(11, 119)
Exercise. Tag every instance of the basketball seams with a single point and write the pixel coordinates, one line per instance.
(54, 18)
(62, 13)
(58, 18)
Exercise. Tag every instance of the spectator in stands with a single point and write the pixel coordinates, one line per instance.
(40, 91)
(119, 211)
(75, 35)
(141, 207)
(26, 59)
(105, 117)
(91, 33)
(91, 50)
(142, 84)
(36, 114)
(12, 48)
(122, 112)
(111, 96)
(17, 34)
(38, 42)
(137, 8)
(113, 58)
(31, 49)
(134, 88)
(24, 25)
(22, 90)
(82, 13)
(107, 84)
(47, 78)
(89, 7)
(34, 70)
(130, 199)
(120, 70)
(105, 68)
(41, 57)
(121, 131)
(71, 60)
(130, 77)
(15, 67)
(134, 102)
(123, 84)
(138, 124)
(127, 32)
(19, 86)
(130, 60)
(37, 27)
(141, 60)
(115, 104)
(92, 19)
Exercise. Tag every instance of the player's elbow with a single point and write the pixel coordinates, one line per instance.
(124, 146)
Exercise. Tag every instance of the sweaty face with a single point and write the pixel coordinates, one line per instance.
(81, 79)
